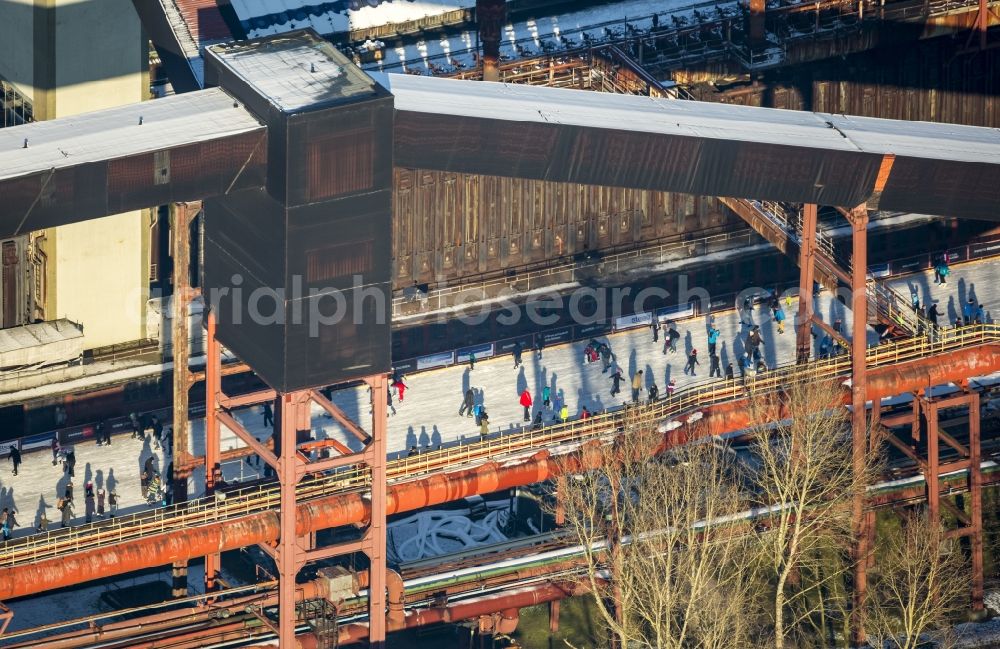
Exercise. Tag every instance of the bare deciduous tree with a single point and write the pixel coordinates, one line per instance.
(920, 582)
(801, 469)
(661, 540)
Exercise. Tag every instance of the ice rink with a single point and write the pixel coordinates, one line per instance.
(429, 415)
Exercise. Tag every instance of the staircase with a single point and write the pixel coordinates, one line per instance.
(783, 228)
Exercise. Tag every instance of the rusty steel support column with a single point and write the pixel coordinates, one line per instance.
(807, 267)
(183, 214)
(976, 505)
(490, 17)
(933, 477)
(375, 537)
(970, 457)
(554, 617)
(290, 556)
(859, 398)
(758, 9)
(213, 467)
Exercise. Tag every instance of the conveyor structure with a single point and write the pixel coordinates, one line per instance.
(265, 182)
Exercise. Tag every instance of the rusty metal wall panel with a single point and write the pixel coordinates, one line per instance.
(118, 185)
(926, 81)
(655, 161)
(479, 224)
(10, 294)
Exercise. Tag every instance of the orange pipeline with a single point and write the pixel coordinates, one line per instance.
(350, 508)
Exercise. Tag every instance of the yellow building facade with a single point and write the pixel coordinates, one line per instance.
(69, 57)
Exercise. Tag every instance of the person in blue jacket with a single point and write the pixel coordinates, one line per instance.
(713, 338)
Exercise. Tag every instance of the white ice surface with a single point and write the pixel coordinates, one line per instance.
(429, 415)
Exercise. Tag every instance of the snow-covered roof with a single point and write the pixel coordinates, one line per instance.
(929, 140)
(295, 71)
(266, 17)
(117, 133)
(40, 344)
(567, 107)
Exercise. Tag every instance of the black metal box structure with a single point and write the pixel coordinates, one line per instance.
(299, 272)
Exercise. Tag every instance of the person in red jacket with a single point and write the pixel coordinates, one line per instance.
(526, 402)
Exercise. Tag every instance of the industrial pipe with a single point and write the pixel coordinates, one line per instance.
(397, 600)
(515, 599)
(220, 611)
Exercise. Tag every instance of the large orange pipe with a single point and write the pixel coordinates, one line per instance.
(887, 381)
(512, 599)
(351, 508)
(473, 608)
(324, 513)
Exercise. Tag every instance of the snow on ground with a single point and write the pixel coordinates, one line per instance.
(533, 36)
(428, 417)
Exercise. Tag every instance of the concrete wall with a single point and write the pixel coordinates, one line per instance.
(101, 268)
(70, 57)
(16, 44)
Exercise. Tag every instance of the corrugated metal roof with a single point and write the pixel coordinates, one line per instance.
(116, 133)
(522, 103)
(204, 20)
(693, 147)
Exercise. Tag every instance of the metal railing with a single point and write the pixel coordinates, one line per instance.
(442, 297)
(262, 498)
(885, 304)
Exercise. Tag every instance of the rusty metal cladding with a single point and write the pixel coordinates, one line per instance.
(925, 81)
(454, 225)
(97, 189)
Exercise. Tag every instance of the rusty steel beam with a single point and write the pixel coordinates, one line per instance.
(228, 369)
(213, 461)
(971, 524)
(375, 535)
(490, 18)
(352, 508)
(249, 399)
(290, 556)
(807, 268)
(183, 215)
(255, 446)
(859, 414)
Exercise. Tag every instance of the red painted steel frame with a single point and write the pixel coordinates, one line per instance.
(213, 468)
(807, 265)
(859, 397)
(295, 545)
(971, 524)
